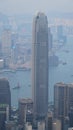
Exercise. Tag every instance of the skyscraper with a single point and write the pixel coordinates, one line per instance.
(6, 46)
(6, 42)
(63, 101)
(40, 65)
(5, 102)
(25, 110)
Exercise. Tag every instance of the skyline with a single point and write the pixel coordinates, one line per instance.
(11, 7)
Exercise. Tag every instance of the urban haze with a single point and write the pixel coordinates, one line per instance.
(36, 66)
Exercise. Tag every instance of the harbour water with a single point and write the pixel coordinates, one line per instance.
(23, 78)
(63, 72)
(60, 73)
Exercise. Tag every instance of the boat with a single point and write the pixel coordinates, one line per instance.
(17, 87)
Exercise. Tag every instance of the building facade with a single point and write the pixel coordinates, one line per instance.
(25, 111)
(5, 102)
(50, 39)
(6, 42)
(40, 65)
(63, 102)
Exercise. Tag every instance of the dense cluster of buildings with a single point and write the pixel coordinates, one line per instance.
(13, 50)
(35, 113)
(15, 46)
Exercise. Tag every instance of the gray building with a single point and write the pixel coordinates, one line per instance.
(63, 102)
(63, 99)
(5, 102)
(25, 111)
(40, 65)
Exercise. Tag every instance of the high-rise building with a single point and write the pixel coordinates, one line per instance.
(25, 111)
(6, 46)
(5, 102)
(28, 126)
(50, 121)
(10, 125)
(63, 101)
(56, 125)
(61, 37)
(40, 65)
(50, 39)
(6, 42)
(41, 125)
(60, 31)
(71, 118)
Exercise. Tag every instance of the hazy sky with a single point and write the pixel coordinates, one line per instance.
(32, 6)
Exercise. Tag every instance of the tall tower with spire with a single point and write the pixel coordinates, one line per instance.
(40, 65)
